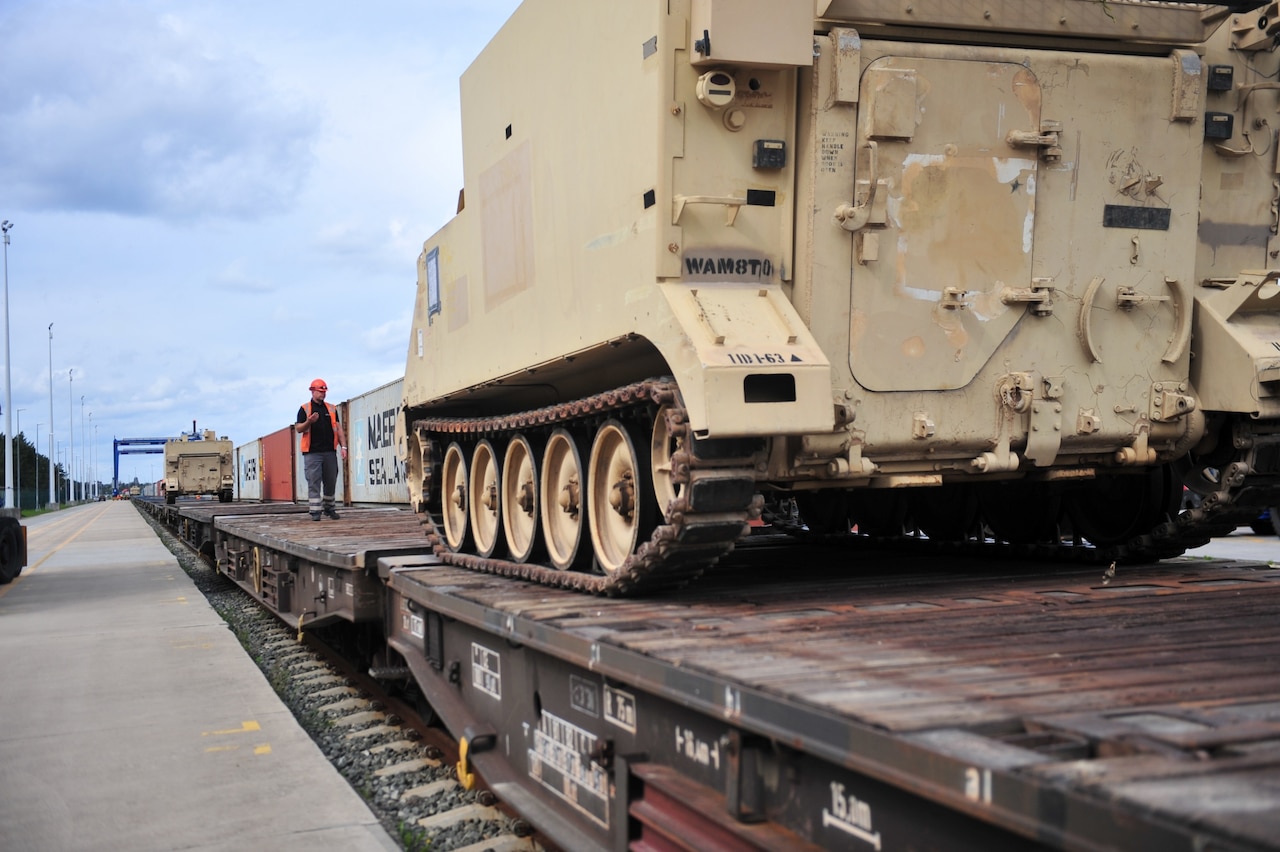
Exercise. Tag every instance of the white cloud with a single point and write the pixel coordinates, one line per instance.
(115, 107)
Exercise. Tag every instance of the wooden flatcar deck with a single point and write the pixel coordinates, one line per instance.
(205, 511)
(358, 539)
(1042, 698)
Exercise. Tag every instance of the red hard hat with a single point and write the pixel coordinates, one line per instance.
(318, 384)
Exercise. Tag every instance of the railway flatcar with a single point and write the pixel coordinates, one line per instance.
(979, 273)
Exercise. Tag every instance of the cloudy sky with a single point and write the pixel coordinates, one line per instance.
(216, 201)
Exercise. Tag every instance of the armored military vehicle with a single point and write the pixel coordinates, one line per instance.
(197, 463)
(971, 272)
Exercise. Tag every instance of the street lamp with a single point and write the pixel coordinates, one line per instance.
(18, 472)
(8, 433)
(53, 497)
(71, 422)
(36, 447)
(84, 442)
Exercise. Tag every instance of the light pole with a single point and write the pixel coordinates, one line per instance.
(84, 444)
(36, 447)
(8, 433)
(53, 496)
(71, 428)
(92, 479)
(18, 472)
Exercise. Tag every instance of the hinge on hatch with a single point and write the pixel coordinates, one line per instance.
(1038, 297)
(1040, 400)
(1048, 140)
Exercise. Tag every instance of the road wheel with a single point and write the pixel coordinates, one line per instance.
(620, 506)
(520, 505)
(486, 499)
(1115, 508)
(454, 490)
(564, 510)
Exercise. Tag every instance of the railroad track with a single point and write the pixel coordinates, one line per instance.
(404, 768)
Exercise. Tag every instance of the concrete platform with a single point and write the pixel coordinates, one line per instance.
(131, 718)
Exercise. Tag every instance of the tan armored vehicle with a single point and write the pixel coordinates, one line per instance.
(199, 463)
(938, 269)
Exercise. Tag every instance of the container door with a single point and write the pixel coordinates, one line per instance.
(277, 465)
(949, 206)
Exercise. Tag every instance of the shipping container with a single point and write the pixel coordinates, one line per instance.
(248, 470)
(276, 465)
(374, 472)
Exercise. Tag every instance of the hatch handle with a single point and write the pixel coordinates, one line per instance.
(731, 203)
(856, 216)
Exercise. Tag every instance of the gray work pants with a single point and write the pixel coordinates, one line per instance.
(322, 472)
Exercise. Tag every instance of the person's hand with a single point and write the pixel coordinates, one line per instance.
(313, 418)
(343, 450)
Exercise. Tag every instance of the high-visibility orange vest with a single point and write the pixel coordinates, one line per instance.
(333, 418)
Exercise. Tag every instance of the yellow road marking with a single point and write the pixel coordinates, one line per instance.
(262, 749)
(244, 727)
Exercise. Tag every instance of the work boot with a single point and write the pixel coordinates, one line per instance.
(315, 516)
(331, 513)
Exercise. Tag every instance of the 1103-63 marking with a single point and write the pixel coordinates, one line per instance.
(753, 358)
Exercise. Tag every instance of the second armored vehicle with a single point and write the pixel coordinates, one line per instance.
(199, 463)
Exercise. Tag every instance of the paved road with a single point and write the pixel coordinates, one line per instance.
(1242, 544)
(131, 718)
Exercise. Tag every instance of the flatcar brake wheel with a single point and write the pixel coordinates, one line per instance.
(520, 505)
(564, 508)
(453, 487)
